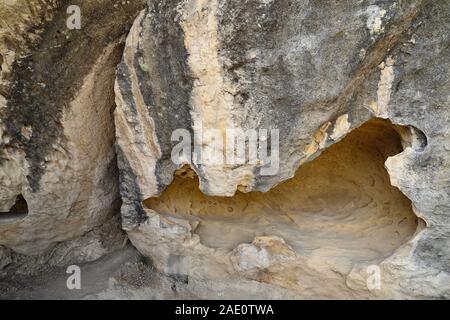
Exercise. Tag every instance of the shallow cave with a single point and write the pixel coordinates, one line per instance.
(18, 211)
(341, 203)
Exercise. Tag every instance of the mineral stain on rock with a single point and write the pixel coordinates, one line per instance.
(50, 72)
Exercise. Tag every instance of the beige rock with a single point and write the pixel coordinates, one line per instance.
(359, 204)
(58, 176)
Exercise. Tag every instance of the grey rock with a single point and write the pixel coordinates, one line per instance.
(321, 73)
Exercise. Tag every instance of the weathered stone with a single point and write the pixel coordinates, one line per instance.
(346, 193)
(87, 248)
(57, 156)
(324, 75)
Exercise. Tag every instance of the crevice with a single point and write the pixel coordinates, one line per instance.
(411, 137)
(17, 213)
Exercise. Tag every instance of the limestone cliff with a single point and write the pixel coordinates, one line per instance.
(342, 108)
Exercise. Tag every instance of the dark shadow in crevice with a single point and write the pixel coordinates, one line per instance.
(18, 212)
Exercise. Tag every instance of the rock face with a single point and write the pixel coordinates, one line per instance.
(58, 172)
(282, 148)
(351, 99)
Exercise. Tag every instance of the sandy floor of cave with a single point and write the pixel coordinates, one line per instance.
(341, 204)
(124, 274)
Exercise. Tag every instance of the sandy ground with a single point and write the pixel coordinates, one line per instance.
(123, 274)
(126, 274)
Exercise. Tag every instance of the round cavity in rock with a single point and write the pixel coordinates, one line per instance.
(341, 204)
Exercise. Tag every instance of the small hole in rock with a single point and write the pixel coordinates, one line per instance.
(18, 211)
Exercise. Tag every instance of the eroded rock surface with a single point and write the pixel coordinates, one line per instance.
(368, 193)
(58, 172)
(350, 101)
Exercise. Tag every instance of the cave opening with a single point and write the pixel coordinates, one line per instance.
(341, 204)
(17, 212)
